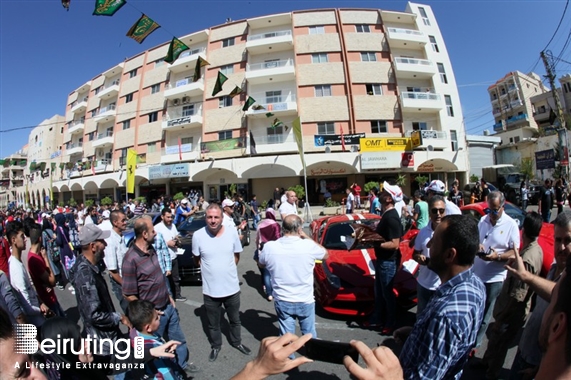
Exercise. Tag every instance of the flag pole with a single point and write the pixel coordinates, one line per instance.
(307, 217)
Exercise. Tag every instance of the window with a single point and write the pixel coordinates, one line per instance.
(378, 126)
(123, 157)
(224, 135)
(91, 136)
(273, 97)
(155, 88)
(275, 135)
(153, 116)
(159, 62)
(442, 72)
(128, 98)
(323, 90)
(424, 16)
(133, 73)
(224, 101)
(434, 44)
(320, 29)
(271, 63)
(186, 140)
(368, 56)
(454, 139)
(362, 28)
(449, 108)
(151, 148)
(126, 124)
(94, 112)
(319, 58)
(419, 126)
(374, 89)
(326, 128)
(228, 42)
(98, 89)
(188, 110)
(228, 69)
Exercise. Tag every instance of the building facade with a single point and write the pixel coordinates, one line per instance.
(372, 76)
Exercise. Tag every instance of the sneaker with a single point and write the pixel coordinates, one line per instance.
(72, 291)
(60, 287)
(270, 298)
(70, 288)
(191, 368)
(180, 299)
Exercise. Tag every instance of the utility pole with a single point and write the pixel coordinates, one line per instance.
(562, 130)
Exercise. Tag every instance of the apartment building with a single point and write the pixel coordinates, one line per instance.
(12, 184)
(372, 76)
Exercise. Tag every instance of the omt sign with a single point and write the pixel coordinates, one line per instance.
(381, 144)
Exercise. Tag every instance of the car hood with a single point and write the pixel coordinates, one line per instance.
(355, 267)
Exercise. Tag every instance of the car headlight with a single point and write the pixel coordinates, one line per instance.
(331, 278)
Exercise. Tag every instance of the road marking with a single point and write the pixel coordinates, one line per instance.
(193, 303)
(331, 325)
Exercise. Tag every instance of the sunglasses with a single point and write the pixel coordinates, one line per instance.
(493, 211)
(437, 211)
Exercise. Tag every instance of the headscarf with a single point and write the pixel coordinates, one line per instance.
(270, 213)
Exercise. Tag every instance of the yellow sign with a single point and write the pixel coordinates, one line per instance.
(381, 144)
(416, 139)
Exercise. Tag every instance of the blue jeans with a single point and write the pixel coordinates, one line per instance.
(423, 295)
(288, 312)
(255, 220)
(116, 288)
(493, 290)
(214, 313)
(385, 300)
(546, 215)
(170, 329)
(267, 281)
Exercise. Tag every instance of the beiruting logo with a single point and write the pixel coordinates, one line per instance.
(27, 343)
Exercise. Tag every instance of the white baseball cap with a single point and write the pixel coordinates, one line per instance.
(436, 186)
(394, 191)
(227, 203)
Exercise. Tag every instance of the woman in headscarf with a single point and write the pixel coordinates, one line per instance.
(268, 230)
(65, 248)
(49, 242)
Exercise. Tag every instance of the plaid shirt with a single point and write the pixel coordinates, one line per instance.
(163, 253)
(445, 332)
(158, 368)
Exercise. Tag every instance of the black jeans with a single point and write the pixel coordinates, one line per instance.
(117, 290)
(214, 312)
(174, 280)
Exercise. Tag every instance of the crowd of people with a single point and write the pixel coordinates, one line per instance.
(469, 272)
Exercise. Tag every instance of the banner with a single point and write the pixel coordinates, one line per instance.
(221, 145)
(107, 7)
(220, 80)
(131, 167)
(169, 171)
(324, 140)
(545, 159)
(175, 48)
(296, 125)
(385, 144)
(142, 29)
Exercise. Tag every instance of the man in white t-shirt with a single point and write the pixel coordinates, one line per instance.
(169, 233)
(290, 261)
(499, 240)
(216, 249)
(437, 187)
(349, 202)
(115, 252)
(288, 207)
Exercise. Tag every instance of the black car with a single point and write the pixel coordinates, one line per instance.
(188, 271)
(129, 233)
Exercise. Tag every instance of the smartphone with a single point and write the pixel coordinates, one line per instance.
(328, 351)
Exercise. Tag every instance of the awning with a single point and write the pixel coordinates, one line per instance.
(436, 165)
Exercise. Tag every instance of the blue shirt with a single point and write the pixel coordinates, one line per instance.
(445, 332)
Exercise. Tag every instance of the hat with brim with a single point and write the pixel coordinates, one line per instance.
(227, 203)
(393, 190)
(436, 186)
(90, 233)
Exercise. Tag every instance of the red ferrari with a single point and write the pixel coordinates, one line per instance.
(477, 210)
(344, 283)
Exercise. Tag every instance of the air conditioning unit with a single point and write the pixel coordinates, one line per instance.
(186, 99)
(176, 102)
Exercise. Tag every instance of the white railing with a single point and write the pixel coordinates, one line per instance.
(269, 35)
(269, 65)
(104, 135)
(178, 112)
(74, 145)
(414, 61)
(273, 139)
(262, 98)
(114, 83)
(110, 107)
(406, 31)
(190, 52)
(77, 122)
(428, 134)
(183, 82)
(184, 148)
(420, 95)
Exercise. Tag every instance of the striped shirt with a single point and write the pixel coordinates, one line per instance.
(445, 332)
(143, 277)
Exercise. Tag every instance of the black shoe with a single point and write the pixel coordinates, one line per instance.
(180, 299)
(213, 354)
(243, 349)
(191, 369)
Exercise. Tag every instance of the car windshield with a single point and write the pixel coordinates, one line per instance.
(338, 234)
(193, 223)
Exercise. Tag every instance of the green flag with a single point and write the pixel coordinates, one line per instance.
(277, 123)
(176, 47)
(142, 28)
(22, 163)
(269, 114)
(259, 107)
(62, 165)
(107, 7)
(32, 166)
(200, 63)
(248, 103)
(42, 166)
(219, 82)
(53, 166)
(236, 91)
(2, 162)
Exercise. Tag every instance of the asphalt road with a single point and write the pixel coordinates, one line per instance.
(259, 321)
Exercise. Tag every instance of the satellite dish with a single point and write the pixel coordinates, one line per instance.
(430, 148)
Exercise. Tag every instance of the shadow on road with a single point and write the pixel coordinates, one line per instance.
(254, 281)
(296, 373)
(259, 323)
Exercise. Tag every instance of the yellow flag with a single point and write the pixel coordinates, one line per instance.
(131, 166)
(296, 124)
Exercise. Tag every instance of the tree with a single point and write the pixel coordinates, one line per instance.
(107, 201)
(299, 191)
(178, 196)
(72, 202)
(421, 179)
(526, 168)
(370, 186)
(474, 178)
(401, 180)
(89, 202)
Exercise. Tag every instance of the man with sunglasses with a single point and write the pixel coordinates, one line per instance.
(499, 240)
(437, 187)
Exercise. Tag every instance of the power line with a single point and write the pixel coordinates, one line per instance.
(558, 25)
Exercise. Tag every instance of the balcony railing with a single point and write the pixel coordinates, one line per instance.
(188, 53)
(114, 83)
(192, 109)
(269, 65)
(74, 145)
(413, 61)
(517, 118)
(269, 35)
(104, 135)
(184, 148)
(110, 107)
(182, 82)
(406, 31)
(428, 134)
(77, 122)
(420, 95)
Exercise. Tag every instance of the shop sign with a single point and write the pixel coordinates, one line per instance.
(174, 149)
(324, 140)
(545, 159)
(169, 171)
(221, 145)
(327, 171)
(385, 144)
(407, 160)
(381, 160)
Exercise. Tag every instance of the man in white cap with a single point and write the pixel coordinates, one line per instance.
(437, 187)
(228, 221)
(105, 225)
(387, 253)
(182, 212)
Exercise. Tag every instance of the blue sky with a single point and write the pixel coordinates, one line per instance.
(46, 52)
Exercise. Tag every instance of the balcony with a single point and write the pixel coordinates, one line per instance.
(514, 120)
(74, 148)
(270, 42)
(110, 91)
(500, 126)
(277, 143)
(421, 101)
(541, 115)
(184, 87)
(406, 38)
(436, 139)
(497, 111)
(105, 114)
(189, 152)
(103, 165)
(274, 71)
(76, 127)
(411, 68)
(279, 105)
(187, 60)
(79, 106)
(516, 103)
(188, 116)
(103, 139)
